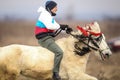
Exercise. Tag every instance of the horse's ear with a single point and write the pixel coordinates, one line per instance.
(97, 27)
(84, 32)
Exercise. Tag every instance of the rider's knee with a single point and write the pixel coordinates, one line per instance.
(60, 53)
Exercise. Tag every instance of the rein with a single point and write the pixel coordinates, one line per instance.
(57, 32)
(82, 38)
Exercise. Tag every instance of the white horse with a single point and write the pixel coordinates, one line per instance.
(37, 62)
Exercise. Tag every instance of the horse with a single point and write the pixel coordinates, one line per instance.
(37, 62)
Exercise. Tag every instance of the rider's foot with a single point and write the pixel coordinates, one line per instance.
(56, 76)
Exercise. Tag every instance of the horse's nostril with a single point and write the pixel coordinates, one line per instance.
(107, 55)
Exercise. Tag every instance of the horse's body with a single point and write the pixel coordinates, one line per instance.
(37, 62)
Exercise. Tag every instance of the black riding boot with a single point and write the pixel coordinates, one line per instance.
(56, 76)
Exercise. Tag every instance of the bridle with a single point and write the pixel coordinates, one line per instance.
(87, 48)
(86, 40)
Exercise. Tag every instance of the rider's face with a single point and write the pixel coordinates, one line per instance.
(54, 10)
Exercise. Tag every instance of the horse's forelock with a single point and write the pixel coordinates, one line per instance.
(94, 27)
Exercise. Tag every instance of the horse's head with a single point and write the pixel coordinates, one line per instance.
(103, 49)
(93, 40)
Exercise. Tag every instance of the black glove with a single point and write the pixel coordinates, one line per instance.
(63, 27)
(69, 30)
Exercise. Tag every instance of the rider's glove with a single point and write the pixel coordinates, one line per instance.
(69, 30)
(63, 27)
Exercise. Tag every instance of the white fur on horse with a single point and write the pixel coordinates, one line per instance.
(37, 62)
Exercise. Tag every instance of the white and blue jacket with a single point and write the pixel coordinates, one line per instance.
(45, 23)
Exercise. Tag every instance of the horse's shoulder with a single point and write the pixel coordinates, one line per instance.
(61, 39)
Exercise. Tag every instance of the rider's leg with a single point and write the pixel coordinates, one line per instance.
(49, 43)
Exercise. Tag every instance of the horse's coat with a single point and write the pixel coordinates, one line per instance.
(37, 62)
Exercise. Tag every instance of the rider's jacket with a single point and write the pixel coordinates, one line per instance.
(45, 23)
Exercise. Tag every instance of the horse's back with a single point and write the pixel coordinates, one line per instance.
(38, 57)
(31, 57)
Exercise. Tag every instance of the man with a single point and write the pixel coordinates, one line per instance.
(44, 31)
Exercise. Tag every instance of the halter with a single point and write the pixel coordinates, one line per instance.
(86, 38)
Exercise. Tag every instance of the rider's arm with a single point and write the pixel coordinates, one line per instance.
(49, 21)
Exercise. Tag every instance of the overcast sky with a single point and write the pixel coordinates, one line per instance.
(79, 9)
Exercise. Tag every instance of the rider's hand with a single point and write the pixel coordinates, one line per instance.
(63, 27)
(69, 30)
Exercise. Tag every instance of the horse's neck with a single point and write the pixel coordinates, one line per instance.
(67, 45)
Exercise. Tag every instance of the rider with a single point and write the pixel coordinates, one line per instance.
(44, 32)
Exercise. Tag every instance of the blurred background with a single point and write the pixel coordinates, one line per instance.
(18, 18)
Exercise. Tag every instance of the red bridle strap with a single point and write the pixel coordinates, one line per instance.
(87, 33)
